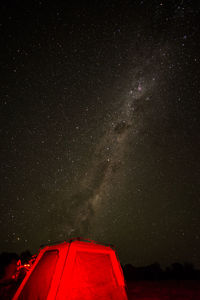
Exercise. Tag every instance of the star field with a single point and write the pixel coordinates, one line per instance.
(100, 126)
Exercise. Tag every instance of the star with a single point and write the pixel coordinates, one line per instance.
(139, 87)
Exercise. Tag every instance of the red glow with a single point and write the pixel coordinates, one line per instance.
(76, 270)
(23, 268)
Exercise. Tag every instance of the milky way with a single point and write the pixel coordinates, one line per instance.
(108, 166)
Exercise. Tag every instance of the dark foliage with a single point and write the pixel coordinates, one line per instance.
(176, 271)
(5, 260)
(8, 268)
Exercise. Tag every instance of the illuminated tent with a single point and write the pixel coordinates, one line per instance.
(74, 270)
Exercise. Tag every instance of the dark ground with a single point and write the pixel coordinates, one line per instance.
(164, 290)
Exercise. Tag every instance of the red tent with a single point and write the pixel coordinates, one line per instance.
(74, 270)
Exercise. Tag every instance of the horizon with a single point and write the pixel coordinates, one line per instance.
(123, 263)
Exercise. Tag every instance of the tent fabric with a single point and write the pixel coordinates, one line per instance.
(91, 269)
(92, 278)
(97, 293)
(38, 285)
(74, 271)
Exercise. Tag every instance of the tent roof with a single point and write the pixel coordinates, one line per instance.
(79, 243)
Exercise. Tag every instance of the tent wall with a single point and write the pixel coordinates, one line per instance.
(91, 273)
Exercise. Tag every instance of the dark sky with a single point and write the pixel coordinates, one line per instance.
(100, 126)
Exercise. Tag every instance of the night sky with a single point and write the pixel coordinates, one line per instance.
(100, 126)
